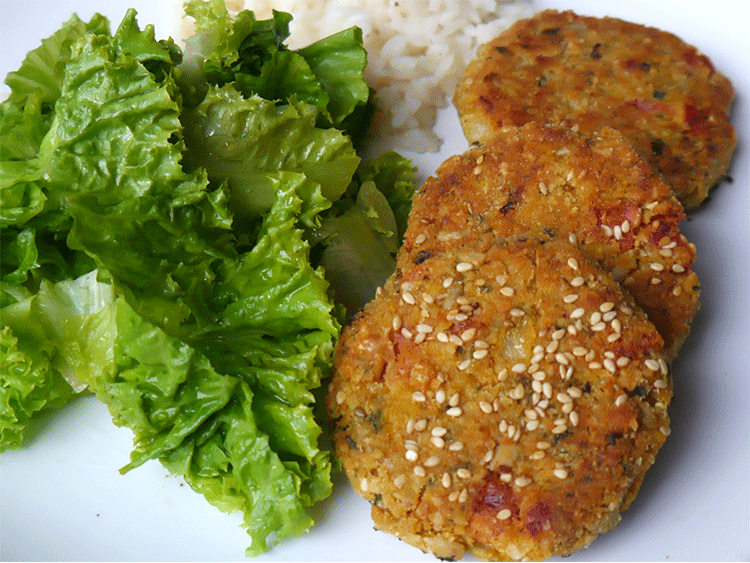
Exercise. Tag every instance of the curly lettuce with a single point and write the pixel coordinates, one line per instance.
(168, 225)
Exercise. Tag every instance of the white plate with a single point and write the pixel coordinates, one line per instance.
(62, 498)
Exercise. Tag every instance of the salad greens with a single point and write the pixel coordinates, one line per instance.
(183, 235)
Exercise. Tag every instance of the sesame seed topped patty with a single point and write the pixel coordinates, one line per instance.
(561, 68)
(596, 191)
(481, 411)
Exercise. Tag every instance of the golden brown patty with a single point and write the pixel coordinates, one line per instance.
(480, 410)
(561, 68)
(596, 191)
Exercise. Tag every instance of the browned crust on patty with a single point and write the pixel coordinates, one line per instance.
(562, 68)
(551, 182)
(480, 411)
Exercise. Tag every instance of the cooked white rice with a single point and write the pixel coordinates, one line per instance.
(417, 51)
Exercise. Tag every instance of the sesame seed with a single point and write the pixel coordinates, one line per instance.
(660, 384)
(547, 390)
(598, 327)
(410, 426)
(421, 337)
(552, 346)
(618, 232)
(442, 337)
(518, 368)
(537, 455)
(571, 298)
(522, 481)
(440, 396)
(454, 400)
(431, 461)
(564, 398)
(501, 279)
(464, 365)
(595, 365)
(664, 430)
(663, 366)
(437, 441)
(507, 291)
(468, 334)
(419, 471)
(463, 473)
(543, 445)
(560, 429)
(485, 407)
(463, 267)
(577, 281)
(652, 364)
(558, 334)
(399, 481)
(420, 238)
(574, 418)
(446, 480)
(359, 412)
(622, 361)
(340, 397)
(408, 298)
(656, 281)
(463, 496)
(517, 312)
(454, 412)
(506, 477)
(456, 446)
(620, 400)
(447, 282)
(625, 226)
(609, 365)
(427, 298)
(406, 333)
(657, 266)
(411, 455)
(460, 317)
(577, 313)
(560, 473)
(517, 392)
(560, 358)
(453, 497)
(439, 431)
(580, 351)
(504, 514)
(503, 374)
(607, 230)
(678, 268)
(574, 392)
(532, 425)
(418, 396)
(420, 425)
(396, 323)
(536, 385)
(455, 339)
(424, 328)
(572, 238)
